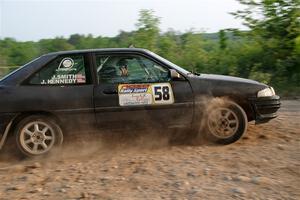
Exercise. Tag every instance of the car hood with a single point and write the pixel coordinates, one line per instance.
(228, 78)
(219, 85)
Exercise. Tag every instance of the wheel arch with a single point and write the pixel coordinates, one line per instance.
(243, 103)
(23, 115)
(10, 128)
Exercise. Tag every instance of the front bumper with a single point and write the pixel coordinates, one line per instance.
(265, 108)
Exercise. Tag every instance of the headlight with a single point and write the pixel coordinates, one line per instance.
(267, 92)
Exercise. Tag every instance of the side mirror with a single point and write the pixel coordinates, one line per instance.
(175, 75)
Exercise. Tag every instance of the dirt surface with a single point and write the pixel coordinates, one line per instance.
(264, 164)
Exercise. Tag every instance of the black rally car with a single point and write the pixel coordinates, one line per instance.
(123, 89)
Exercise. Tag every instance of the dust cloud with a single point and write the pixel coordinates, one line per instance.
(89, 143)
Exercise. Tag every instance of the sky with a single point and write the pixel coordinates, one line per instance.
(39, 19)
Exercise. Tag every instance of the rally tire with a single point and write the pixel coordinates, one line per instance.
(225, 122)
(37, 135)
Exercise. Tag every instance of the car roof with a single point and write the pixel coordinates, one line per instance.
(100, 50)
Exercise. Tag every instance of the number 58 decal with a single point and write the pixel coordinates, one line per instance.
(162, 93)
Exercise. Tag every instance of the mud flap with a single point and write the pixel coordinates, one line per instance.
(4, 136)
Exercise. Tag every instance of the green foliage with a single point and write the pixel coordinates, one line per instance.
(51, 45)
(260, 76)
(147, 32)
(275, 26)
(194, 57)
(297, 45)
(222, 39)
(168, 46)
(269, 52)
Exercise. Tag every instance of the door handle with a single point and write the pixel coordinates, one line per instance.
(110, 91)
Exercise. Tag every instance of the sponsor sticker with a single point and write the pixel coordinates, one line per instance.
(65, 79)
(133, 88)
(66, 64)
(145, 94)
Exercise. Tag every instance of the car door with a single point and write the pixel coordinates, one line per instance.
(62, 87)
(136, 91)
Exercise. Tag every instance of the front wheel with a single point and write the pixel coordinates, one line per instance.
(37, 135)
(225, 121)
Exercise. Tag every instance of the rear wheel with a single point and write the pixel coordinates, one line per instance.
(225, 121)
(37, 135)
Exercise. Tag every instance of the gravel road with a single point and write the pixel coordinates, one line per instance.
(264, 164)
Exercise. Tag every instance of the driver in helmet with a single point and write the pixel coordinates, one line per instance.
(123, 67)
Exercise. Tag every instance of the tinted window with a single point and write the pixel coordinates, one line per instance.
(129, 69)
(64, 70)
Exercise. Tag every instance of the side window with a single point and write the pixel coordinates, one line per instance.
(64, 70)
(129, 69)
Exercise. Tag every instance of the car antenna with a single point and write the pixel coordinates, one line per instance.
(131, 46)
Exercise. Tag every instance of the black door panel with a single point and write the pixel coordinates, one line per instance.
(72, 104)
(110, 115)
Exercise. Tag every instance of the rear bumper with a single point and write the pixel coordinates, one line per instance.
(5, 122)
(265, 108)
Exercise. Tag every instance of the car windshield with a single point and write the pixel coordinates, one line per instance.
(180, 69)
